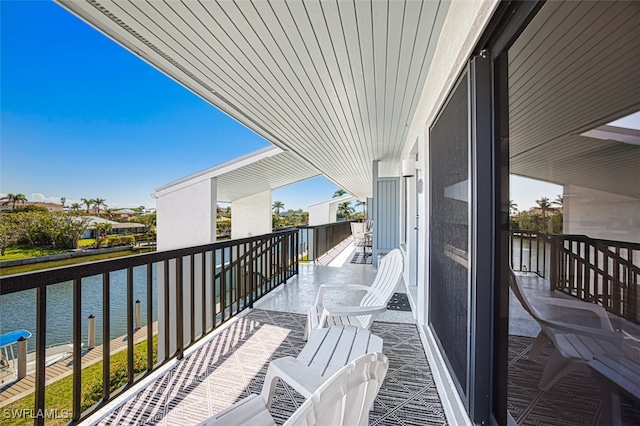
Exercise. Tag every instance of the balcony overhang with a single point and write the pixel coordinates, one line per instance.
(263, 170)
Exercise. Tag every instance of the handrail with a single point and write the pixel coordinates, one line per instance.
(322, 238)
(272, 257)
(588, 268)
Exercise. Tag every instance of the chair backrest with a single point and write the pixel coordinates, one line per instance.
(346, 397)
(357, 230)
(387, 279)
(518, 291)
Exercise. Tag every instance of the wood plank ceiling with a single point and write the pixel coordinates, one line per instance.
(575, 68)
(334, 82)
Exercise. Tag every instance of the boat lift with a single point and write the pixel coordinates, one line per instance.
(8, 356)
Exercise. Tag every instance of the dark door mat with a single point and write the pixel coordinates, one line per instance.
(359, 257)
(399, 302)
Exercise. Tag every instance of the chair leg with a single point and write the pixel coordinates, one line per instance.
(539, 344)
(556, 368)
(269, 386)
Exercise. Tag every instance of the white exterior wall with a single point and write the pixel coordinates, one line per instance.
(321, 214)
(602, 215)
(186, 217)
(251, 216)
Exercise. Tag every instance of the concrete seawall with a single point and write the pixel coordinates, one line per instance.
(71, 254)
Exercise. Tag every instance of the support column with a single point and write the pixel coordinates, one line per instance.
(251, 216)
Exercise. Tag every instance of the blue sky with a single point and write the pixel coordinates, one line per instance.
(81, 117)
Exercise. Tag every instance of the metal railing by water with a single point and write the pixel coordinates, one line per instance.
(202, 288)
(319, 239)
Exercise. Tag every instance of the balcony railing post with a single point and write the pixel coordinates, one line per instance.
(41, 343)
(106, 336)
(149, 317)
(192, 299)
(130, 318)
(91, 332)
(179, 309)
(22, 358)
(77, 346)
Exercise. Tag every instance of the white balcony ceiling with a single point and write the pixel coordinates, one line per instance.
(264, 170)
(335, 82)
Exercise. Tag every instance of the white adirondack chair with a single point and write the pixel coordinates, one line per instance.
(343, 400)
(574, 343)
(372, 303)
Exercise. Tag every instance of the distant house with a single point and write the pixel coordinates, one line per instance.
(123, 213)
(117, 228)
(52, 207)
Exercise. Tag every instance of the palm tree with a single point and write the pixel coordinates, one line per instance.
(513, 207)
(97, 203)
(62, 201)
(364, 206)
(277, 206)
(559, 201)
(88, 202)
(339, 193)
(545, 205)
(14, 198)
(75, 207)
(345, 210)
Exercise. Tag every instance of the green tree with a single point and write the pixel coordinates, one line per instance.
(277, 206)
(97, 203)
(9, 232)
(75, 208)
(345, 210)
(559, 201)
(513, 207)
(362, 204)
(88, 202)
(102, 229)
(545, 205)
(13, 199)
(339, 193)
(148, 220)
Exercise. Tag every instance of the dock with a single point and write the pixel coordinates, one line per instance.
(14, 391)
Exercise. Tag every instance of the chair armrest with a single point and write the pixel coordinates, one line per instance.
(593, 332)
(343, 287)
(350, 311)
(605, 322)
(295, 373)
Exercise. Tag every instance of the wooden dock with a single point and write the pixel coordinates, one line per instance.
(16, 390)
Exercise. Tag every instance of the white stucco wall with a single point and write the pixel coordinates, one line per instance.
(186, 217)
(602, 215)
(251, 216)
(320, 214)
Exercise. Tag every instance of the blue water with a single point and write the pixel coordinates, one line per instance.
(18, 310)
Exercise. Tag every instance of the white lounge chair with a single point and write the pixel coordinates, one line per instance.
(574, 343)
(343, 400)
(360, 236)
(372, 303)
